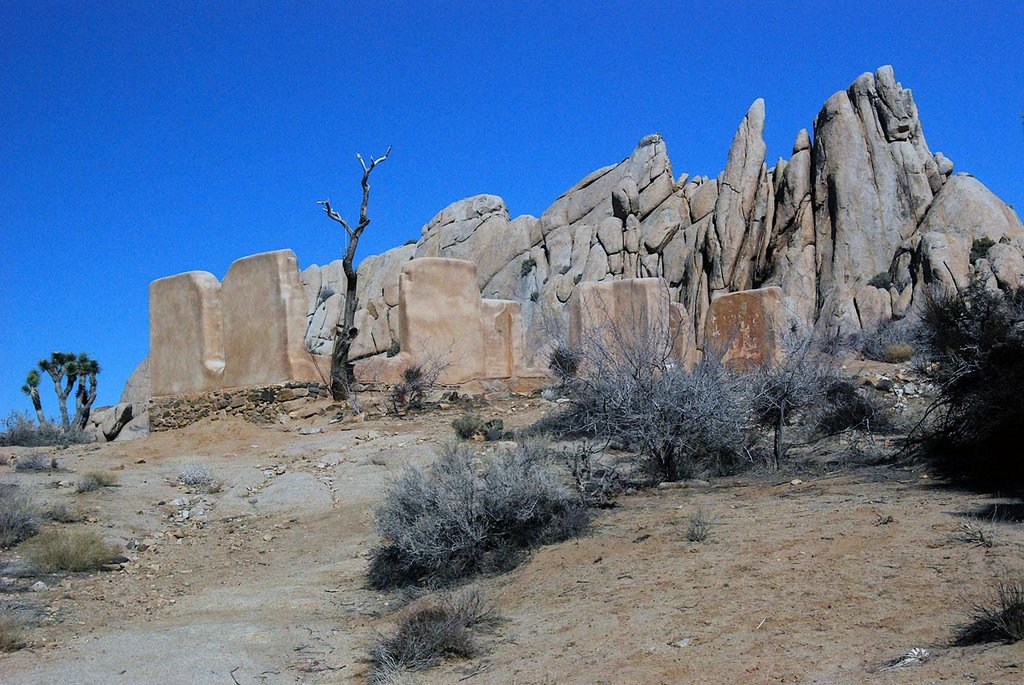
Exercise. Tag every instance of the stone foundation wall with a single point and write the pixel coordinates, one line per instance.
(259, 404)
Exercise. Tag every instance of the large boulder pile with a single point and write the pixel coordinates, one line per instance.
(852, 229)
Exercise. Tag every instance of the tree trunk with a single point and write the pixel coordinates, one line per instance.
(779, 428)
(341, 370)
(37, 403)
(83, 402)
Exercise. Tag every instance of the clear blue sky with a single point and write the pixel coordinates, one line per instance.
(142, 139)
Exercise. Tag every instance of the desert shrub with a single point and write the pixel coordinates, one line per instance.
(62, 513)
(976, 343)
(897, 353)
(417, 382)
(65, 550)
(597, 481)
(35, 462)
(528, 265)
(12, 636)
(844, 408)
(198, 478)
(467, 426)
(94, 480)
(451, 521)
(998, 617)
(980, 247)
(799, 381)
(21, 431)
(699, 527)
(534, 296)
(19, 519)
(881, 280)
(430, 631)
(683, 423)
(564, 362)
(472, 426)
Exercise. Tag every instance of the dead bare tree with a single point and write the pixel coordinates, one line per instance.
(345, 334)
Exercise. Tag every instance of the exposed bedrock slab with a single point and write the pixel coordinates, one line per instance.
(504, 338)
(614, 320)
(264, 307)
(185, 334)
(439, 316)
(746, 327)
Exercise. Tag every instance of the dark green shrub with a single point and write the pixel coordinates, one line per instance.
(528, 265)
(976, 343)
(980, 247)
(882, 280)
(467, 426)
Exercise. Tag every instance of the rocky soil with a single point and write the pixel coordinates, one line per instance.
(822, 576)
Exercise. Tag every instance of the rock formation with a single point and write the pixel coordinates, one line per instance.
(850, 231)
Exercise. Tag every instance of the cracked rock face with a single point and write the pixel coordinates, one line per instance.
(853, 228)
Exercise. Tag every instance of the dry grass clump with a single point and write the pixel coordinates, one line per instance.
(11, 633)
(898, 353)
(64, 550)
(430, 632)
(699, 528)
(19, 519)
(94, 480)
(999, 617)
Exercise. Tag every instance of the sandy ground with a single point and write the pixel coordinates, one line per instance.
(826, 580)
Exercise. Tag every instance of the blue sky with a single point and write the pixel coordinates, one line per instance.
(138, 140)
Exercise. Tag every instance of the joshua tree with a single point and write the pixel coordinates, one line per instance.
(31, 388)
(66, 369)
(341, 371)
(86, 393)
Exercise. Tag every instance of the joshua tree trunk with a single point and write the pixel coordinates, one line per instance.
(84, 398)
(37, 404)
(346, 332)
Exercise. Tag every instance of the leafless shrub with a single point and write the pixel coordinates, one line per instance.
(598, 483)
(699, 527)
(892, 341)
(632, 390)
(64, 550)
(975, 534)
(19, 519)
(564, 362)
(999, 617)
(799, 381)
(451, 521)
(430, 631)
